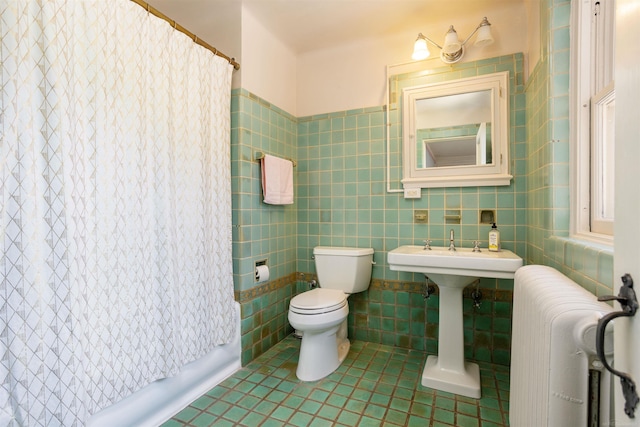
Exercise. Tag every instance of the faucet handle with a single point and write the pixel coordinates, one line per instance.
(427, 245)
(476, 246)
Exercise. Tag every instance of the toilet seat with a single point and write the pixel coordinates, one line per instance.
(318, 301)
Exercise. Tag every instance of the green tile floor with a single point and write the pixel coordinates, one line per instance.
(377, 385)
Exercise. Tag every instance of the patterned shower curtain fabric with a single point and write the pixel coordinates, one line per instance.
(115, 209)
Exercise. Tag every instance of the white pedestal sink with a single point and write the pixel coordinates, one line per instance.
(448, 371)
(452, 271)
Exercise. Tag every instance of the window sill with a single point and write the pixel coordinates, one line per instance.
(586, 261)
(598, 241)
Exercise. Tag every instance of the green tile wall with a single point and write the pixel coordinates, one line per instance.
(260, 231)
(342, 200)
(547, 169)
(264, 315)
(398, 314)
(342, 192)
(341, 189)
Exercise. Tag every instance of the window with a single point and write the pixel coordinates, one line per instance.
(593, 96)
(603, 107)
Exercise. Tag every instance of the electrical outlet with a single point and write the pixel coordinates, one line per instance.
(412, 193)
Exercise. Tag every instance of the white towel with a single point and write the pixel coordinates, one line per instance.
(277, 180)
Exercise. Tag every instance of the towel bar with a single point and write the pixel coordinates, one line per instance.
(260, 155)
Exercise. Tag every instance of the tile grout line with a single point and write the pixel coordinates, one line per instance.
(376, 385)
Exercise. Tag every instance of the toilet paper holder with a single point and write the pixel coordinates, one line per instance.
(261, 271)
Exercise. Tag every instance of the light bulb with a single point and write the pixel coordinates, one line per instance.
(420, 49)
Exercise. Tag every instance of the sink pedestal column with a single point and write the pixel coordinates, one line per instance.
(452, 270)
(448, 371)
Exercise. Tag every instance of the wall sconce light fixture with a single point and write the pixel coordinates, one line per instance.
(453, 50)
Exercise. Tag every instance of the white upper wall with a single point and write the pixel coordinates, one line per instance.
(354, 76)
(533, 34)
(268, 66)
(220, 29)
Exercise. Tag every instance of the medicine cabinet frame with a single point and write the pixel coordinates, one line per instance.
(494, 174)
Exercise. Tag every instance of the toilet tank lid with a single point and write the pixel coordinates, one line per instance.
(335, 250)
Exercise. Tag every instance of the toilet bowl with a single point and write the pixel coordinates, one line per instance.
(321, 313)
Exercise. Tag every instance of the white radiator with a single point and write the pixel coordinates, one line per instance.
(553, 351)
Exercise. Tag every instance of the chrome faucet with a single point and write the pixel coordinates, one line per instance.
(452, 247)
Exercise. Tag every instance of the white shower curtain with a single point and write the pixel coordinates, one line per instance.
(115, 208)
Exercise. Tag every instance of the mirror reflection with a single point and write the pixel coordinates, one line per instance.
(455, 133)
(454, 130)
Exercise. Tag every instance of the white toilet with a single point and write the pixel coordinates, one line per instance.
(321, 313)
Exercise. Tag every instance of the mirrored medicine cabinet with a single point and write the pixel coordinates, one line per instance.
(456, 133)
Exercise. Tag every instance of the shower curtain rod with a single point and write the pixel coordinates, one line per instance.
(150, 9)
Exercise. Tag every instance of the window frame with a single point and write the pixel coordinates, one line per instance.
(602, 158)
(587, 82)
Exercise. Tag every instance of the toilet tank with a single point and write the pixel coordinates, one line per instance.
(345, 269)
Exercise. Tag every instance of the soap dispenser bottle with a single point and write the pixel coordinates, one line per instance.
(494, 238)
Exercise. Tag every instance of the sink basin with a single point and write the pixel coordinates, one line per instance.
(461, 262)
(452, 271)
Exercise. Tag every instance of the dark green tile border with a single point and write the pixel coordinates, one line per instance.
(389, 312)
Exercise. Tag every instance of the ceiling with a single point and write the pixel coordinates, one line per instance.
(309, 25)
